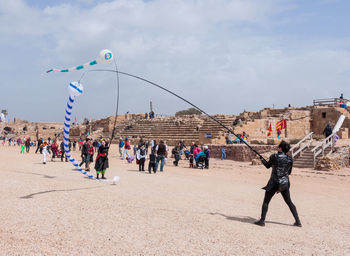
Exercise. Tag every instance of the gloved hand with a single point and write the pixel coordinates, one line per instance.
(263, 161)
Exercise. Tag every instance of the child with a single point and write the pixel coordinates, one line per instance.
(44, 150)
(152, 162)
(130, 159)
(141, 156)
(22, 148)
(191, 161)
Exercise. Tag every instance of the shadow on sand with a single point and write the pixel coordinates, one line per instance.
(56, 190)
(246, 219)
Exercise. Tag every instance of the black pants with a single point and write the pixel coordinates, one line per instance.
(177, 158)
(142, 164)
(286, 196)
(206, 163)
(85, 159)
(63, 155)
(152, 166)
(27, 149)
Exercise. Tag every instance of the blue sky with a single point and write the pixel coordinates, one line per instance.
(225, 56)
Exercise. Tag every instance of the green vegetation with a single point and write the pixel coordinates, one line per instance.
(190, 111)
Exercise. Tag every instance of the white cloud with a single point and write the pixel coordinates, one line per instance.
(222, 55)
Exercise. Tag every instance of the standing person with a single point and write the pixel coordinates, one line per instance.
(22, 148)
(54, 149)
(328, 130)
(193, 146)
(44, 151)
(176, 153)
(135, 149)
(91, 154)
(121, 145)
(182, 146)
(80, 144)
(141, 156)
(207, 157)
(38, 145)
(74, 144)
(63, 154)
(223, 153)
(146, 146)
(27, 144)
(281, 165)
(161, 151)
(101, 163)
(85, 155)
(196, 151)
(95, 145)
(152, 162)
(126, 147)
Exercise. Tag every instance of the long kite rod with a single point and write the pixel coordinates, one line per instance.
(178, 96)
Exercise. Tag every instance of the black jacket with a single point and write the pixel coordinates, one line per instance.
(281, 165)
(85, 149)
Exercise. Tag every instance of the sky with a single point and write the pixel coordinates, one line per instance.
(226, 56)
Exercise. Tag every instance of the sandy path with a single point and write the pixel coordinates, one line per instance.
(53, 210)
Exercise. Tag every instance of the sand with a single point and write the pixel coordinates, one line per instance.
(53, 210)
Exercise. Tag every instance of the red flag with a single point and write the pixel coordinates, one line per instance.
(270, 130)
(281, 125)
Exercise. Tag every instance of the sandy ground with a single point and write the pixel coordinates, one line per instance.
(53, 210)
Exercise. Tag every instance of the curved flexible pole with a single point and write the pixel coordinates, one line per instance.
(178, 96)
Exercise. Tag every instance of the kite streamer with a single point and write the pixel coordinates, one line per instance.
(104, 57)
(75, 89)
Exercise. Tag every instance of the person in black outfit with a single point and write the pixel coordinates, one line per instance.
(141, 156)
(176, 153)
(102, 162)
(152, 162)
(281, 165)
(328, 130)
(63, 153)
(40, 141)
(85, 154)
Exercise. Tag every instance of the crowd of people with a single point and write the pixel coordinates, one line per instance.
(231, 139)
(158, 153)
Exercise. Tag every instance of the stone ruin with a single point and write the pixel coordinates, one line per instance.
(337, 160)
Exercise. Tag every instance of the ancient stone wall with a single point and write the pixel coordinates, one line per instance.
(240, 152)
(322, 115)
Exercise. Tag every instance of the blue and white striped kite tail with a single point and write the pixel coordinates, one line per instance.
(75, 89)
(104, 57)
(94, 62)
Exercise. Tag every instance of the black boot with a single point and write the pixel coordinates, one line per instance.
(97, 176)
(297, 223)
(260, 223)
(103, 176)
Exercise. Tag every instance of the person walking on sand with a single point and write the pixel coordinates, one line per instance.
(102, 162)
(281, 165)
(141, 157)
(54, 149)
(162, 151)
(126, 147)
(121, 145)
(85, 155)
(27, 144)
(44, 151)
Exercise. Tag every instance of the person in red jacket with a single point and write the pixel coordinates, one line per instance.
(27, 144)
